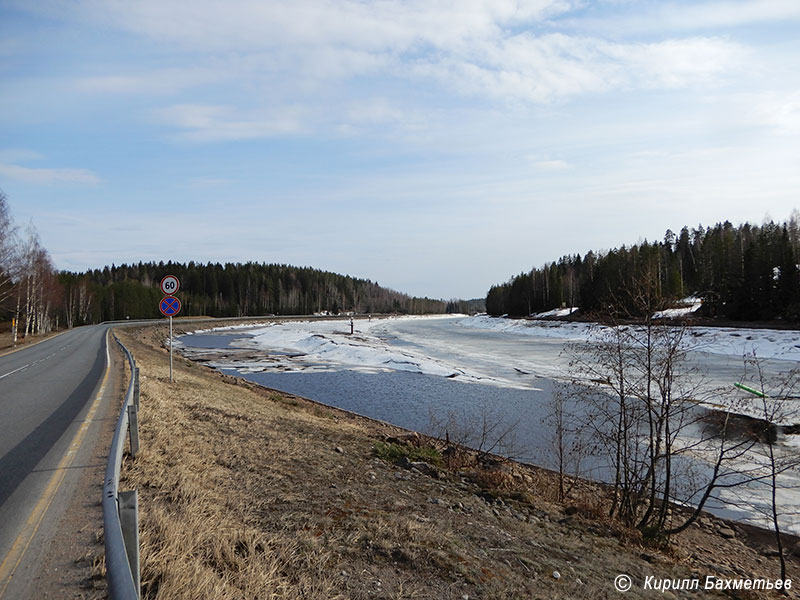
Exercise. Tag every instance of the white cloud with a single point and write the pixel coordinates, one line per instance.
(375, 110)
(15, 155)
(9, 157)
(553, 67)
(551, 165)
(779, 111)
(470, 47)
(661, 18)
(48, 176)
(162, 81)
(677, 63)
(388, 118)
(728, 13)
(253, 24)
(211, 123)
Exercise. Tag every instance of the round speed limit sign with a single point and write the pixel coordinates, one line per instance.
(170, 285)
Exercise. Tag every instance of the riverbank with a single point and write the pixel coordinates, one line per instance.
(247, 492)
(691, 319)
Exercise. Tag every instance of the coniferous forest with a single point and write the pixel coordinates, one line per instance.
(229, 290)
(744, 273)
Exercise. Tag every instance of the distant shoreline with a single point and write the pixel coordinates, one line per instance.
(690, 321)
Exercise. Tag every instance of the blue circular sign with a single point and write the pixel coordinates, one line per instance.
(169, 306)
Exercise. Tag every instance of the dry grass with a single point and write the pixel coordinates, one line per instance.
(7, 338)
(248, 493)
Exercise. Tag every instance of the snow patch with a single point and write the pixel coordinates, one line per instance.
(685, 307)
(555, 313)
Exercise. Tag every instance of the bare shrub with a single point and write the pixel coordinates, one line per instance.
(485, 429)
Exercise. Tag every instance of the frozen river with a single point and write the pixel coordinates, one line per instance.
(431, 374)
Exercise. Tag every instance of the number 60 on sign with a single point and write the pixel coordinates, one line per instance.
(170, 285)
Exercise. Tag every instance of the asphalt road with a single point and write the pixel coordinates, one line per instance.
(46, 391)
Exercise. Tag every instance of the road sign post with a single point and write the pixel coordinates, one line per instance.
(170, 306)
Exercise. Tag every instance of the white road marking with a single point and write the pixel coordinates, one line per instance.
(16, 370)
(41, 360)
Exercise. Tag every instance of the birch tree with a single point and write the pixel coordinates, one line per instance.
(36, 286)
(8, 253)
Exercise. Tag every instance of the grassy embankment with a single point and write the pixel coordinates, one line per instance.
(249, 493)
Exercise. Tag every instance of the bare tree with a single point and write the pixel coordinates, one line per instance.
(8, 254)
(637, 396)
(78, 302)
(567, 440)
(640, 398)
(36, 286)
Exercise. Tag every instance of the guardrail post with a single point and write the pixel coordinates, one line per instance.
(133, 428)
(129, 520)
(136, 387)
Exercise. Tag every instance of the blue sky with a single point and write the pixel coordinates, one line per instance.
(435, 147)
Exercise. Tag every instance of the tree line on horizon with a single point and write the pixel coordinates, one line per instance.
(744, 273)
(230, 290)
(38, 298)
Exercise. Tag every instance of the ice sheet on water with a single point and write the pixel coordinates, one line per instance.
(730, 341)
(323, 344)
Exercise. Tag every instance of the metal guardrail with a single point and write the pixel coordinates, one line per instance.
(120, 509)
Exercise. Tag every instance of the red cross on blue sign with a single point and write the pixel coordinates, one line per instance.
(169, 306)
